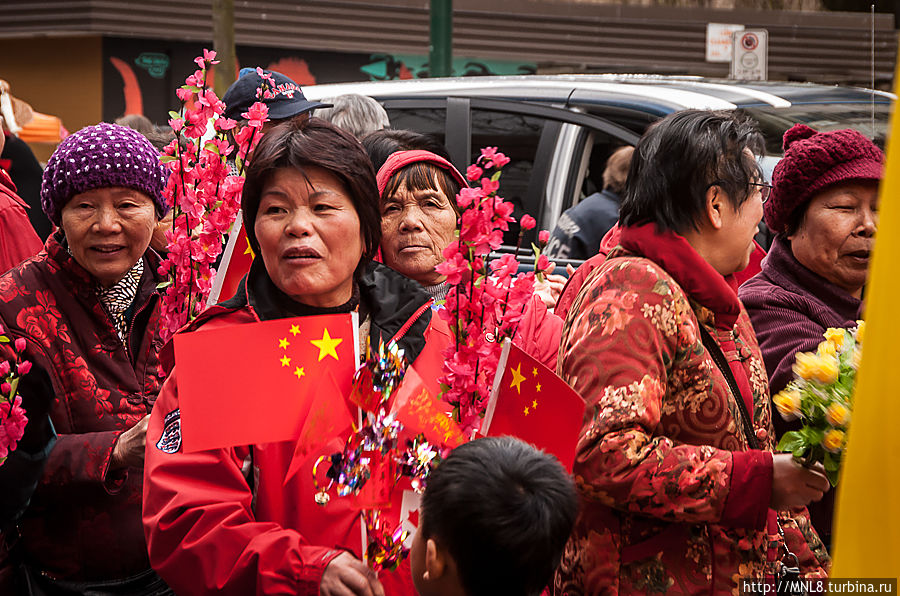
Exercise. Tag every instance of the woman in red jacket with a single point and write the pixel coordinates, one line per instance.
(678, 482)
(233, 520)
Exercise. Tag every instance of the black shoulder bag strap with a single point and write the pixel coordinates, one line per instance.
(718, 357)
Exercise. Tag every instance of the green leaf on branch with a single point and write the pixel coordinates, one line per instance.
(791, 441)
(166, 158)
(174, 114)
(496, 176)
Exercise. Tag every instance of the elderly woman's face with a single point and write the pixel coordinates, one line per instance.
(108, 230)
(836, 234)
(416, 227)
(309, 236)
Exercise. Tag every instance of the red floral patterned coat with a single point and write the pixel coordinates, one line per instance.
(673, 499)
(84, 522)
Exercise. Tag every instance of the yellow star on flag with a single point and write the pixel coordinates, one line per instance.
(526, 411)
(517, 379)
(299, 372)
(283, 343)
(534, 372)
(326, 345)
(534, 404)
(249, 250)
(538, 387)
(285, 361)
(295, 329)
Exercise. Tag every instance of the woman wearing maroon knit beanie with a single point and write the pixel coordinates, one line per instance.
(824, 212)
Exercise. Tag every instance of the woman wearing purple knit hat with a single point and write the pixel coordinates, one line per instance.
(87, 309)
(823, 209)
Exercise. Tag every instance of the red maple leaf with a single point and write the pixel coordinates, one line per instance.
(413, 517)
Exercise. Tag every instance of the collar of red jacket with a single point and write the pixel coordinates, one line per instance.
(400, 159)
(695, 276)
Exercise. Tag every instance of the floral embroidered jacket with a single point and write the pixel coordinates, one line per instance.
(673, 499)
(84, 521)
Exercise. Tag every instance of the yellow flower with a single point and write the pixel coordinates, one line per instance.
(856, 357)
(860, 328)
(834, 440)
(836, 336)
(837, 415)
(826, 370)
(826, 348)
(788, 403)
(804, 365)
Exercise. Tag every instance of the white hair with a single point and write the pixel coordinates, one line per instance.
(357, 114)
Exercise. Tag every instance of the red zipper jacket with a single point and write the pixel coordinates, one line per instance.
(207, 531)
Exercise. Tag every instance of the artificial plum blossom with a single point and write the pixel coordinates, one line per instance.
(543, 237)
(527, 222)
(204, 195)
(482, 307)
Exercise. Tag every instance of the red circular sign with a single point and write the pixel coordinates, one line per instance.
(749, 41)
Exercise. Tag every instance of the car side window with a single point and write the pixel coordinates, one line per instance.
(519, 137)
(430, 121)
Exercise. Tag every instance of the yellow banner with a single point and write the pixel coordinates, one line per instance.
(867, 524)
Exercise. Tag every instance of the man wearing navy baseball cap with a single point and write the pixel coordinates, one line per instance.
(287, 102)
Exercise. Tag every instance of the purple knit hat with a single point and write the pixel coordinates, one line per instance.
(101, 156)
(814, 161)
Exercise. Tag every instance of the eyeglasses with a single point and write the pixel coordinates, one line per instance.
(764, 190)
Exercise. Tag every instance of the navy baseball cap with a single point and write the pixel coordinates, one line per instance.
(288, 102)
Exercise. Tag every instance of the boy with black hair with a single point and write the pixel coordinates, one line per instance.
(494, 520)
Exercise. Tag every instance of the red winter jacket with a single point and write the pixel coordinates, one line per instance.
(18, 240)
(673, 499)
(207, 531)
(84, 521)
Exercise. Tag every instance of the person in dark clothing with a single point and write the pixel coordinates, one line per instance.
(824, 212)
(23, 167)
(581, 228)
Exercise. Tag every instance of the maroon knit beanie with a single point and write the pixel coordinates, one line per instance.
(102, 156)
(814, 161)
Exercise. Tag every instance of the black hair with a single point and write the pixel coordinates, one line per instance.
(381, 143)
(504, 511)
(680, 157)
(301, 143)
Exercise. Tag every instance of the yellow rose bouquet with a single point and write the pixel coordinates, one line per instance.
(821, 397)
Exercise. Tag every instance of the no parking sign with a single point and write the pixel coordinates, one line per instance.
(750, 55)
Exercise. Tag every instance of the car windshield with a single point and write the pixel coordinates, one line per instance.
(822, 117)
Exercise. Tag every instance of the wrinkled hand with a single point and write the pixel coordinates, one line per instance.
(346, 575)
(550, 289)
(128, 452)
(794, 485)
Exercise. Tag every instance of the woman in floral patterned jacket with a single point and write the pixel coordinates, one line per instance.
(87, 307)
(678, 482)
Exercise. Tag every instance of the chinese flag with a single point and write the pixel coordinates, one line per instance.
(867, 522)
(234, 266)
(530, 402)
(256, 383)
